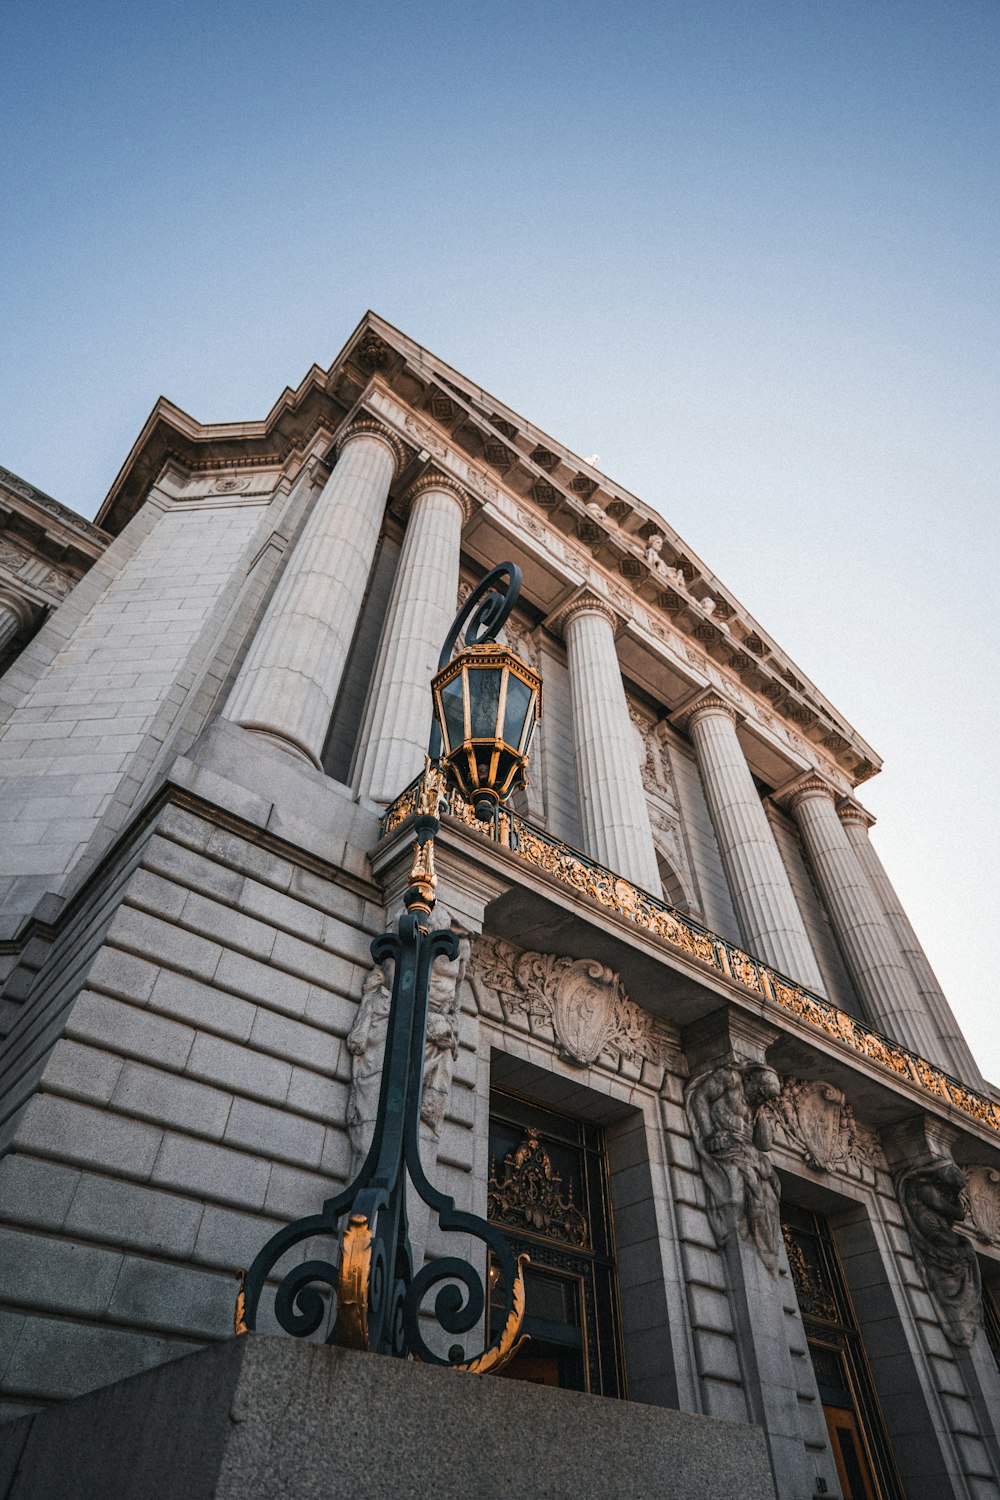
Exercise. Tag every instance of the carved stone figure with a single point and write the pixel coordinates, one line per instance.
(366, 1042)
(582, 999)
(815, 1117)
(732, 1135)
(654, 556)
(932, 1199)
(982, 1188)
(442, 1025)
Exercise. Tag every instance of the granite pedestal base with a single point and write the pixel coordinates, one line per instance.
(259, 1418)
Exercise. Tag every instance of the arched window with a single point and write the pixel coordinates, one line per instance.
(674, 892)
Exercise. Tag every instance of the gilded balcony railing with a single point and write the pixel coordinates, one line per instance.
(587, 878)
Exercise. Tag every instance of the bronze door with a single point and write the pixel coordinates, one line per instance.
(548, 1192)
(858, 1439)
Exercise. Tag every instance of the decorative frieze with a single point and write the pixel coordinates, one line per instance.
(583, 1000)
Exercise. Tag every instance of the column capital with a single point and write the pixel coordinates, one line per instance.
(849, 811)
(436, 479)
(373, 428)
(800, 788)
(706, 700)
(583, 601)
(24, 610)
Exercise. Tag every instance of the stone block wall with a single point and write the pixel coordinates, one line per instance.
(164, 1119)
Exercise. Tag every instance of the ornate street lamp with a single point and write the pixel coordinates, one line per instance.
(487, 702)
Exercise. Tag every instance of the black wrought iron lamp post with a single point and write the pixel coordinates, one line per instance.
(487, 702)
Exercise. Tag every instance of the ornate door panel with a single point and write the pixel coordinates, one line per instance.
(548, 1191)
(865, 1465)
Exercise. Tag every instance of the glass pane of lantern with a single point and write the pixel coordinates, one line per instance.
(484, 701)
(518, 703)
(454, 711)
(529, 727)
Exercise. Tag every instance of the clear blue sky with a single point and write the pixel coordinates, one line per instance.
(745, 252)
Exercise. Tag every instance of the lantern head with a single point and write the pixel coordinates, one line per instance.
(487, 702)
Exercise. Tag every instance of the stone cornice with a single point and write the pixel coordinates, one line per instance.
(370, 427)
(466, 431)
(17, 495)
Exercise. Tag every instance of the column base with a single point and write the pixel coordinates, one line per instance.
(282, 742)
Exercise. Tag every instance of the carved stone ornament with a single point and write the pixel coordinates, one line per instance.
(372, 352)
(982, 1189)
(56, 583)
(583, 1010)
(230, 484)
(425, 437)
(816, 1118)
(13, 557)
(727, 1111)
(582, 999)
(932, 1198)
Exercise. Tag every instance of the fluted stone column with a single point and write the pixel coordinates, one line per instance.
(398, 717)
(954, 1054)
(288, 684)
(612, 799)
(769, 915)
(869, 946)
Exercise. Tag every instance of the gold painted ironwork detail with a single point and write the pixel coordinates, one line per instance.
(652, 915)
(500, 1353)
(239, 1312)
(423, 878)
(527, 1197)
(351, 1330)
(814, 1296)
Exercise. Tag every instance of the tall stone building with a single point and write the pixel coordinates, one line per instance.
(692, 1056)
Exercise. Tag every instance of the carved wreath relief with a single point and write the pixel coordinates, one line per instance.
(581, 998)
